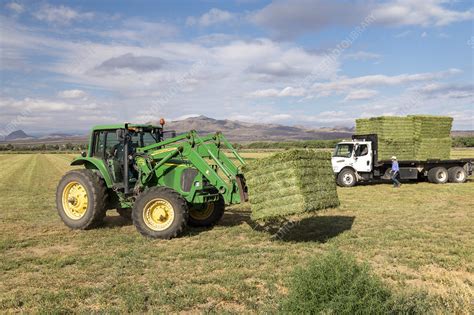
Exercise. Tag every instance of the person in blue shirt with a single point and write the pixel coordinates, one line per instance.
(395, 172)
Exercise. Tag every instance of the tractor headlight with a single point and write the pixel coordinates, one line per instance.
(197, 184)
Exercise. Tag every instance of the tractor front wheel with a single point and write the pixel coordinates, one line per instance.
(208, 214)
(160, 212)
(81, 199)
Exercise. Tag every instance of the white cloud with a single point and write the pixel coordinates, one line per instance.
(61, 14)
(446, 90)
(213, 16)
(34, 104)
(72, 94)
(287, 18)
(423, 13)
(346, 84)
(403, 34)
(357, 95)
(288, 91)
(16, 7)
(136, 29)
(262, 117)
(362, 55)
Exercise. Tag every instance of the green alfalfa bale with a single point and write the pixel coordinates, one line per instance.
(291, 182)
(435, 148)
(432, 126)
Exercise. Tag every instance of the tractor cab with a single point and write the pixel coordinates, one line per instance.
(116, 144)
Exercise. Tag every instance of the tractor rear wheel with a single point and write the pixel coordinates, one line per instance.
(81, 199)
(207, 215)
(160, 212)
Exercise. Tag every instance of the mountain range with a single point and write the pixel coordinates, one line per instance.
(237, 131)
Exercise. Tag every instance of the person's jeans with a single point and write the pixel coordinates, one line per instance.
(395, 180)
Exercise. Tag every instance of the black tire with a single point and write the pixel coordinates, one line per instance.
(438, 175)
(125, 213)
(209, 215)
(457, 174)
(93, 211)
(346, 178)
(174, 219)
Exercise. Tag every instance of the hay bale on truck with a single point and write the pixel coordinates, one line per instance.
(291, 182)
(395, 135)
(432, 135)
(414, 137)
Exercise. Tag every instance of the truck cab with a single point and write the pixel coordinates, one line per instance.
(351, 159)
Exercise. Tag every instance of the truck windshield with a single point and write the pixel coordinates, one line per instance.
(343, 150)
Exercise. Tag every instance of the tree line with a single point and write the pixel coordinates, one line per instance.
(458, 142)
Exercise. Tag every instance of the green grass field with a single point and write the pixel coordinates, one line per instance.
(417, 238)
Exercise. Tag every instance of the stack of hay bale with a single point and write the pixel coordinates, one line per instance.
(395, 135)
(412, 137)
(432, 137)
(291, 182)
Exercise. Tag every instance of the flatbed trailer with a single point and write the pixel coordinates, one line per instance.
(357, 161)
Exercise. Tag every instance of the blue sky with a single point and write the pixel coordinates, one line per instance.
(69, 65)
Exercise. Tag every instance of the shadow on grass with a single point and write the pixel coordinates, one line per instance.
(315, 229)
(312, 229)
(111, 222)
(403, 181)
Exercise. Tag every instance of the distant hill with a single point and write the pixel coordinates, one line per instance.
(237, 131)
(462, 133)
(18, 135)
(247, 132)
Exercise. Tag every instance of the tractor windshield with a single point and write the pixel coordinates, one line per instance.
(343, 150)
(142, 138)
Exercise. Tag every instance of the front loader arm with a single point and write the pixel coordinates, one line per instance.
(195, 149)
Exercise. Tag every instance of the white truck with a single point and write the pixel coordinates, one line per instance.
(357, 161)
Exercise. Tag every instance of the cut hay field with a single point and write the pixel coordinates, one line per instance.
(417, 239)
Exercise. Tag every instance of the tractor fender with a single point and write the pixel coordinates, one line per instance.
(95, 164)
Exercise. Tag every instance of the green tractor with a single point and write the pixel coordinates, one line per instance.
(163, 183)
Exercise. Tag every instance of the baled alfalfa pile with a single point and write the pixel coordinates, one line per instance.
(395, 135)
(291, 182)
(432, 136)
(414, 137)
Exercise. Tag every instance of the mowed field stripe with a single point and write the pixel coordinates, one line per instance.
(60, 163)
(14, 169)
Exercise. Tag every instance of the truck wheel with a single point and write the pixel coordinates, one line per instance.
(81, 199)
(207, 215)
(457, 174)
(438, 175)
(346, 178)
(125, 213)
(160, 212)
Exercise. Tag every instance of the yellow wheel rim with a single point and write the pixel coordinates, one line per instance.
(158, 214)
(202, 214)
(75, 200)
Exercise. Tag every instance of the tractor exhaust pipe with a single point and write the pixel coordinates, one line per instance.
(126, 189)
